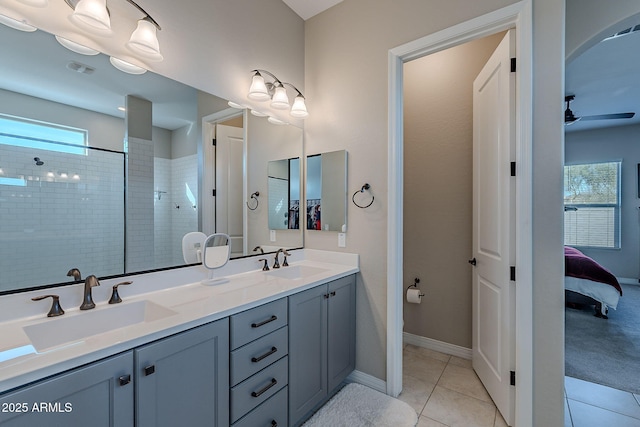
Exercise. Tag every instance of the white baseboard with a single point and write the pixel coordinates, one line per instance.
(442, 347)
(368, 380)
(628, 281)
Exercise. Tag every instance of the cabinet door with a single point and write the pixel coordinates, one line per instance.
(183, 380)
(341, 338)
(100, 394)
(307, 351)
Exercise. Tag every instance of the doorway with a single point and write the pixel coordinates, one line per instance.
(514, 16)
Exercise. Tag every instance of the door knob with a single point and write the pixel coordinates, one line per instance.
(472, 261)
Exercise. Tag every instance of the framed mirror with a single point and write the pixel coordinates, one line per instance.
(97, 187)
(326, 191)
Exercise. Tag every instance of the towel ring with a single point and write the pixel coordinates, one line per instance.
(255, 197)
(353, 198)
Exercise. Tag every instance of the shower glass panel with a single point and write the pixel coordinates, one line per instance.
(62, 206)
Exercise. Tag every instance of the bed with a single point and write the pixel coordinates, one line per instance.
(588, 283)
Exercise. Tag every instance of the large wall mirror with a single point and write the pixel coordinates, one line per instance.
(86, 185)
(327, 191)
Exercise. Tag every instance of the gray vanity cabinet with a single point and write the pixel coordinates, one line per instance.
(183, 380)
(321, 344)
(100, 394)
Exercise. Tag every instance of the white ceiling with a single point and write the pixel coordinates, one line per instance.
(605, 80)
(309, 8)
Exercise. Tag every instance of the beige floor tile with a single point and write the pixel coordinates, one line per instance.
(428, 422)
(499, 422)
(465, 381)
(427, 352)
(415, 392)
(458, 410)
(459, 361)
(422, 367)
(584, 415)
(601, 396)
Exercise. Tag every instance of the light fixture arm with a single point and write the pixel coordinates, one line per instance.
(259, 71)
(294, 88)
(72, 4)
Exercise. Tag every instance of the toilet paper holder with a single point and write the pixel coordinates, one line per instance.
(415, 285)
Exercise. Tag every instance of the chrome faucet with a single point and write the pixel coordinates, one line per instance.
(75, 273)
(276, 263)
(258, 248)
(87, 300)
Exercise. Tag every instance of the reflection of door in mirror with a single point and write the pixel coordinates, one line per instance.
(229, 155)
(283, 184)
(327, 191)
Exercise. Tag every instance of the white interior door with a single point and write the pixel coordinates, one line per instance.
(493, 234)
(229, 180)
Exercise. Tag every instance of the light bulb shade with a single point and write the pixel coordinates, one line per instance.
(258, 113)
(299, 108)
(258, 89)
(126, 67)
(275, 121)
(76, 47)
(93, 13)
(16, 25)
(280, 100)
(144, 39)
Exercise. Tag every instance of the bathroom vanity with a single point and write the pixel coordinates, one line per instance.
(265, 348)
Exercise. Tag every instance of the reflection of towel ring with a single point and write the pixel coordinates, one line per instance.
(353, 198)
(255, 197)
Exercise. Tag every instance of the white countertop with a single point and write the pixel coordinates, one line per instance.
(177, 290)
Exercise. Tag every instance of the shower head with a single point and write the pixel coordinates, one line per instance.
(38, 161)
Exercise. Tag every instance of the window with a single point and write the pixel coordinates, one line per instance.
(27, 133)
(592, 205)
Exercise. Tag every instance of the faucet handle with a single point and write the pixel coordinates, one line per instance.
(75, 273)
(115, 298)
(265, 267)
(286, 254)
(56, 309)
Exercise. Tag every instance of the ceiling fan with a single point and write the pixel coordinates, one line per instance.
(570, 118)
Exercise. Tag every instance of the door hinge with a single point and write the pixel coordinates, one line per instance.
(213, 142)
(513, 378)
(513, 65)
(512, 273)
(513, 168)
(213, 192)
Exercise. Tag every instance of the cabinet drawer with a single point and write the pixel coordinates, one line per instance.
(258, 388)
(257, 355)
(252, 324)
(273, 412)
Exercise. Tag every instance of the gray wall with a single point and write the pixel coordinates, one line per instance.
(438, 148)
(613, 144)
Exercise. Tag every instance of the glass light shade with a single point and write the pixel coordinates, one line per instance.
(258, 113)
(144, 39)
(275, 121)
(16, 25)
(236, 105)
(280, 100)
(76, 47)
(258, 89)
(93, 13)
(299, 108)
(126, 67)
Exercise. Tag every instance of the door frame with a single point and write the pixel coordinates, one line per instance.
(518, 16)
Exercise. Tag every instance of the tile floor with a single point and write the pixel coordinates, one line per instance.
(445, 392)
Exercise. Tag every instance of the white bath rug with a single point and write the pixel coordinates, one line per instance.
(359, 406)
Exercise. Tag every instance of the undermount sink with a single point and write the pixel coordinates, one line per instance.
(66, 330)
(295, 272)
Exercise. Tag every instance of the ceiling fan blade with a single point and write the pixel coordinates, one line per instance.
(608, 116)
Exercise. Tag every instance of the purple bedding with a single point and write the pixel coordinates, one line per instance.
(577, 264)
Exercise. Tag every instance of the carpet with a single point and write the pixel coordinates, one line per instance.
(603, 351)
(360, 406)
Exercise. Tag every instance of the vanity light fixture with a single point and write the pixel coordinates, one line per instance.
(262, 90)
(125, 66)
(17, 25)
(76, 47)
(94, 16)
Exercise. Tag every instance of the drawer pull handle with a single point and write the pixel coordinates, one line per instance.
(149, 370)
(267, 387)
(274, 423)
(124, 380)
(333, 294)
(264, 322)
(267, 354)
